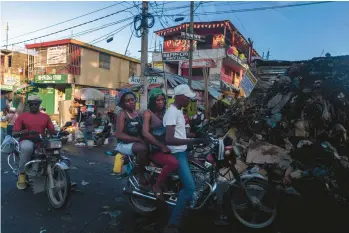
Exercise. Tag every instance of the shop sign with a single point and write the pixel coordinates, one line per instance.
(175, 56)
(200, 63)
(6, 87)
(51, 78)
(57, 55)
(151, 80)
(12, 79)
(248, 82)
(158, 65)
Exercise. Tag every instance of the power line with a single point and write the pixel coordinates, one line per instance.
(65, 21)
(112, 33)
(256, 8)
(91, 21)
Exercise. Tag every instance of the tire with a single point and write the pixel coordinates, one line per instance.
(257, 187)
(140, 205)
(64, 183)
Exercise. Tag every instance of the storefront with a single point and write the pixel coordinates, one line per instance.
(52, 88)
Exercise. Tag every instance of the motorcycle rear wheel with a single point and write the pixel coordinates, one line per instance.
(141, 205)
(59, 195)
(249, 220)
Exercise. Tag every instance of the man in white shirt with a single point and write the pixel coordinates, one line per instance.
(176, 141)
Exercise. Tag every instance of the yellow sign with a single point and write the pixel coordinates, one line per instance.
(158, 65)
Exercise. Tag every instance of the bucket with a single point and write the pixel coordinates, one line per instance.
(90, 143)
(118, 163)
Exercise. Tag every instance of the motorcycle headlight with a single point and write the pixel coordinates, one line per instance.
(57, 144)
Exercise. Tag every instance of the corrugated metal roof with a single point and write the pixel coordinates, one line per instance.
(175, 80)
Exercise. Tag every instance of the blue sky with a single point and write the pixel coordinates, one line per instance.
(290, 33)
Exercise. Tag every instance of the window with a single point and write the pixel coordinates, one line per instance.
(9, 61)
(104, 61)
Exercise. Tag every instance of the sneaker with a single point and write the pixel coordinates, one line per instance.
(171, 229)
(21, 182)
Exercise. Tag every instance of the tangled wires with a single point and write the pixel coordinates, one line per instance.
(140, 25)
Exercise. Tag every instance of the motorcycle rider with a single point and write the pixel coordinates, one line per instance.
(154, 133)
(129, 131)
(26, 123)
(176, 140)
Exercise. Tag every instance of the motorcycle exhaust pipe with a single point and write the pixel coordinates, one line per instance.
(129, 191)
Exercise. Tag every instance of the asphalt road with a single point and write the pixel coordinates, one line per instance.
(97, 205)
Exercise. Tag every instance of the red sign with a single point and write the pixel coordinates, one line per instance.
(177, 45)
(218, 41)
(200, 63)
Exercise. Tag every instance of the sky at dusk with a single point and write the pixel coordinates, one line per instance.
(294, 33)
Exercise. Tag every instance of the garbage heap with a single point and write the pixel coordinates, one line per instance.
(308, 104)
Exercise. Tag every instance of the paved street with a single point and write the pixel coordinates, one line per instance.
(96, 206)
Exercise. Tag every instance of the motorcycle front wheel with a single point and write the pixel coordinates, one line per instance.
(265, 212)
(60, 193)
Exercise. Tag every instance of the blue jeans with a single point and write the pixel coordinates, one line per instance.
(186, 194)
(3, 134)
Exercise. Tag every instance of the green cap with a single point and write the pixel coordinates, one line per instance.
(155, 92)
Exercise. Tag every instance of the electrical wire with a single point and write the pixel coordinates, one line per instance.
(64, 21)
(110, 34)
(257, 8)
(79, 25)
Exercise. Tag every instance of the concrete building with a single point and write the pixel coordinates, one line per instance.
(13, 73)
(224, 51)
(60, 67)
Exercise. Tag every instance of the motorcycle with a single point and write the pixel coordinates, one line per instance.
(47, 170)
(247, 196)
(103, 133)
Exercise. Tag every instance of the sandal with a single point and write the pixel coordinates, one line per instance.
(159, 194)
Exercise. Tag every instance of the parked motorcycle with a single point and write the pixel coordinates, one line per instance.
(48, 169)
(103, 133)
(248, 197)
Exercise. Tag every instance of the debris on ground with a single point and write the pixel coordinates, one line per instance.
(84, 183)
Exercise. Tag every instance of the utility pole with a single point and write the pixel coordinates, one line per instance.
(191, 43)
(144, 56)
(268, 54)
(6, 29)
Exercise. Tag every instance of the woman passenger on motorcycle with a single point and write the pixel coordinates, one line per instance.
(129, 131)
(154, 133)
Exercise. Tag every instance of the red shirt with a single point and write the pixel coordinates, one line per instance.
(33, 122)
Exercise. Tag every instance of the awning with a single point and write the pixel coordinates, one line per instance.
(151, 86)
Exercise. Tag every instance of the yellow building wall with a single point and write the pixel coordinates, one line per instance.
(92, 75)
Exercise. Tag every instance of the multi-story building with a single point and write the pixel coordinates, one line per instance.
(224, 51)
(60, 67)
(12, 73)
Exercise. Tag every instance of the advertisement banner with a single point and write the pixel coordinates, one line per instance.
(56, 55)
(199, 63)
(12, 79)
(248, 83)
(218, 41)
(178, 45)
(51, 78)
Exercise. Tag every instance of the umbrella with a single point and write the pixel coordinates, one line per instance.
(22, 86)
(89, 94)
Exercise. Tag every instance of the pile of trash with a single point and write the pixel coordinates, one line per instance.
(308, 105)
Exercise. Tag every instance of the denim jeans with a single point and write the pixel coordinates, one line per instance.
(186, 194)
(3, 134)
